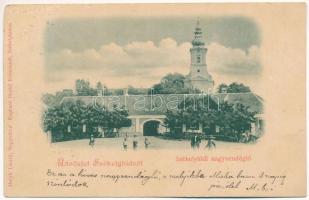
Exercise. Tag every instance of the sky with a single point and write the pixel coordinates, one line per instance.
(139, 51)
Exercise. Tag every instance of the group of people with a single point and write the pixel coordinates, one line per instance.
(125, 142)
(135, 143)
(247, 137)
(196, 141)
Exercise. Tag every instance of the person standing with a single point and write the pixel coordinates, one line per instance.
(196, 144)
(211, 144)
(192, 142)
(198, 141)
(91, 140)
(125, 143)
(135, 143)
(147, 143)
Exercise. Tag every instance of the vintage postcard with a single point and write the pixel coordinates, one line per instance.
(155, 100)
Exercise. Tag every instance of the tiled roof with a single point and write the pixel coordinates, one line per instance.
(141, 104)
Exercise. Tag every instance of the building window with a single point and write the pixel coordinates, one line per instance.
(193, 126)
(198, 70)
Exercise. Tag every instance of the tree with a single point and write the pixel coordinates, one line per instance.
(106, 91)
(49, 99)
(199, 110)
(119, 118)
(242, 120)
(192, 112)
(222, 87)
(99, 86)
(118, 92)
(96, 117)
(224, 118)
(174, 121)
(233, 88)
(83, 88)
(136, 91)
(53, 100)
(77, 114)
(172, 84)
(237, 88)
(54, 121)
(74, 116)
(233, 119)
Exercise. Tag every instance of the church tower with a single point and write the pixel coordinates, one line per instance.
(199, 78)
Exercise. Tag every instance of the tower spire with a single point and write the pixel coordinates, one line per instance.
(198, 35)
(199, 78)
(198, 22)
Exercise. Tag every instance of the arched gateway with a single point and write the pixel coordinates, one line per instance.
(151, 127)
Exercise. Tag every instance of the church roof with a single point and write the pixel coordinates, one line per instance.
(248, 99)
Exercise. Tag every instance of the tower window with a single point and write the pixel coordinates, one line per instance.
(198, 59)
(198, 70)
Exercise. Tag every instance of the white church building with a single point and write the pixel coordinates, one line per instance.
(199, 78)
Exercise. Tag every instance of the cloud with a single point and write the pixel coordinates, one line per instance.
(235, 61)
(143, 63)
(117, 59)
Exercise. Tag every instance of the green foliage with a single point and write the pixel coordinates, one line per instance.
(233, 88)
(118, 118)
(172, 84)
(53, 100)
(75, 115)
(233, 120)
(136, 91)
(83, 88)
(99, 86)
(118, 92)
(174, 122)
(49, 100)
(222, 87)
(191, 112)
